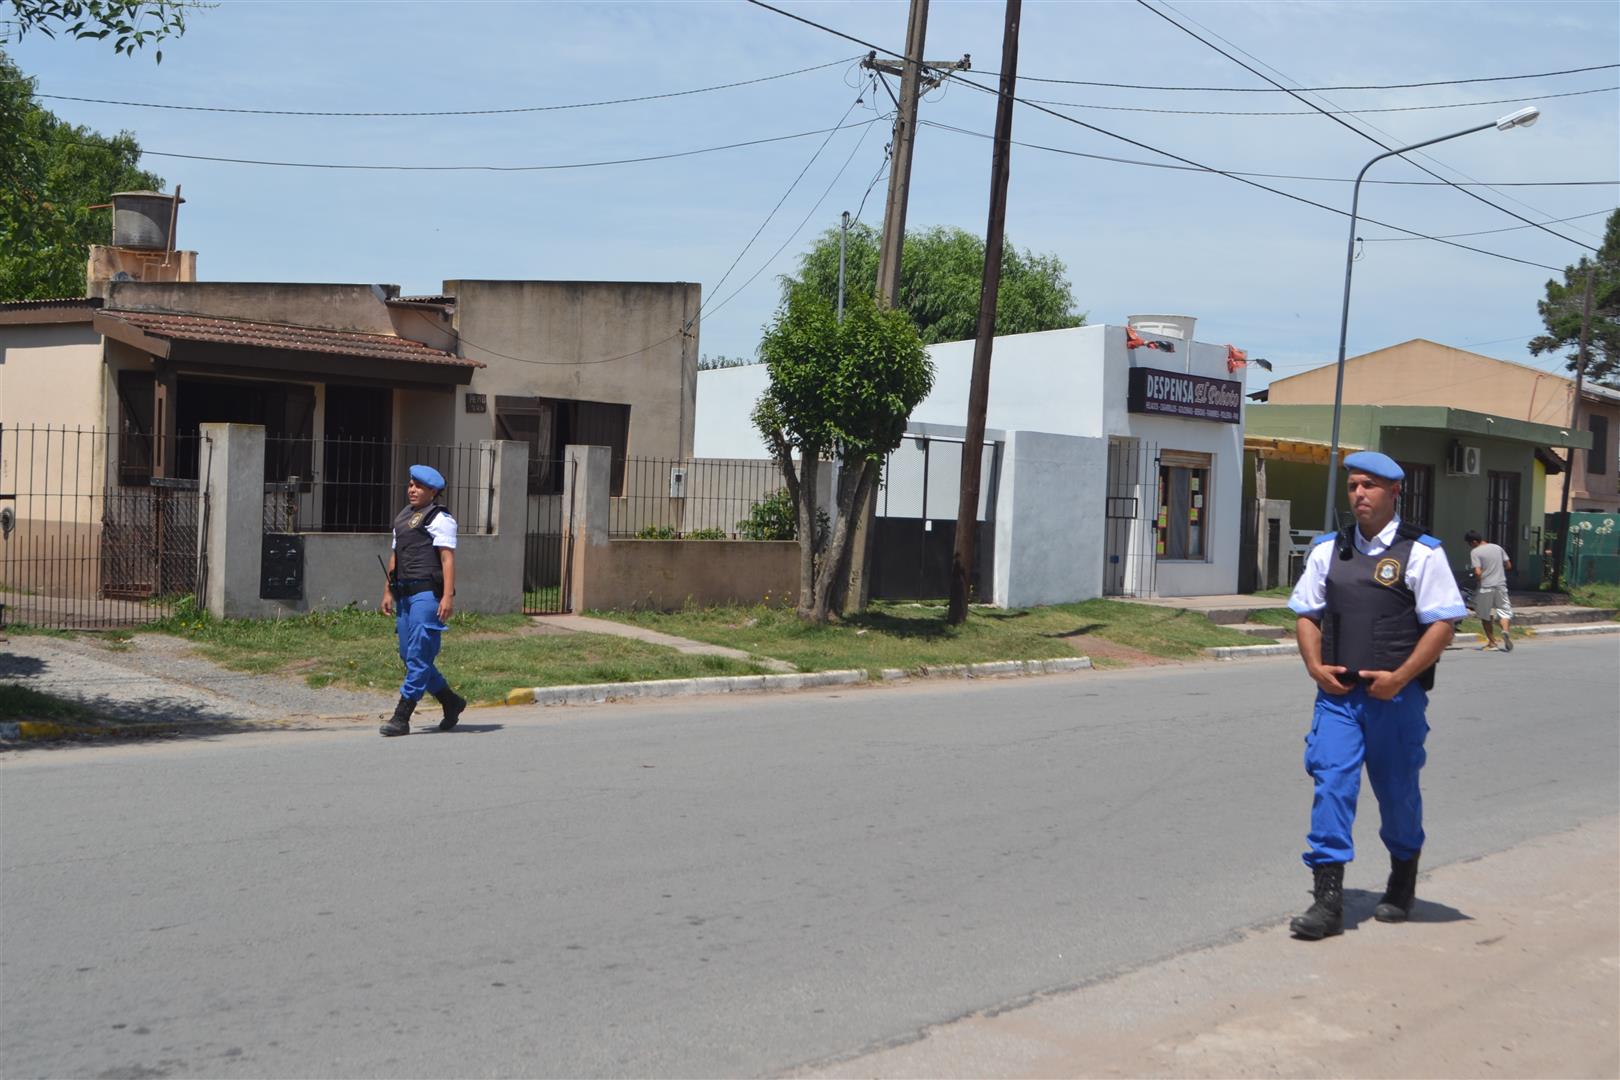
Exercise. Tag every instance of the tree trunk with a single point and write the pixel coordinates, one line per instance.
(850, 497)
(809, 474)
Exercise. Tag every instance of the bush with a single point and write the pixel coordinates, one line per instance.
(658, 532)
(705, 534)
(776, 518)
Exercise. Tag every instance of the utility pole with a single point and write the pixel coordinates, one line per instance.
(1574, 428)
(917, 77)
(843, 240)
(967, 510)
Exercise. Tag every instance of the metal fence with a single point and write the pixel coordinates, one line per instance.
(86, 541)
(545, 538)
(675, 499)
(358, 485)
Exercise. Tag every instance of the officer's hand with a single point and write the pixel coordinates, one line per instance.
(445, 607)
(1383, 685)
(388, 603)
(1326, 677)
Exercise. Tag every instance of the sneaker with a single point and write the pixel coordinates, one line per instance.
(1489, 646)
(1507, 642)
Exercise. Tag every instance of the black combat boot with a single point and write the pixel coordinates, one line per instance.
(400, 722)
(1401, 892)
(1325, 917)
(453, 704)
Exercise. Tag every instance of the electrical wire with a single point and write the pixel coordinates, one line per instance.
(1351, 127)
(1145, 146)
(1311, 112)
(494, 168)
(1488, 232)
(1263, 175)
(859, 98)
(1307, 89)
(800, 228)
(450, 112)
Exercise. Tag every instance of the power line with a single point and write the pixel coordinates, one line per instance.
(496, 168)
(957, 76)
(1488, 232)
(453, 112)
(1312, 112)
(1264, 175)
(859, 97)
(1351, 127)
(1309, 89)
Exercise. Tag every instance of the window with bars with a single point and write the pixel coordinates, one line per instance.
(1184, 505)
(1416, 503)
(550, 425)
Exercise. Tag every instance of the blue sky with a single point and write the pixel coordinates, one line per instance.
(1257, 270)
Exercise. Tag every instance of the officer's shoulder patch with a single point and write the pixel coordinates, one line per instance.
(1323, 538)
(1429, 541)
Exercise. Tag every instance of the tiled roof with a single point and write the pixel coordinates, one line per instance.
(266, 335)
(437, 298)
(55, 302)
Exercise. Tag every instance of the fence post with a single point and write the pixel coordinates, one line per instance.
(232, 546)
(587, 508)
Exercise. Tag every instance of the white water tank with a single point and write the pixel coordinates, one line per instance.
(1176, 327)
(141, 219)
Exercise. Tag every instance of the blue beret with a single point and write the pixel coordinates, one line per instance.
(428, 476)
(1373, 463)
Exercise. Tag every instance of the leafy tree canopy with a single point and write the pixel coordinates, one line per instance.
(132, 24)
(1561, 309)
(55, 172)
(940, 275)
(839, 389)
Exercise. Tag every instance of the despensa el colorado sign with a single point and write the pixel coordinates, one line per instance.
(1173, 393)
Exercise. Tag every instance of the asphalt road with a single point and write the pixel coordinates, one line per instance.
(715, 887)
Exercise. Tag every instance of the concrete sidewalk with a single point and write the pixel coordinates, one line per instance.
(1509, 967)
(584, 624)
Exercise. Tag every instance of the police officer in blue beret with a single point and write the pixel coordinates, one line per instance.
(1377, 604)
(421, 596)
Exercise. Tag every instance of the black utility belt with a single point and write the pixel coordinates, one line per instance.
(411, 588)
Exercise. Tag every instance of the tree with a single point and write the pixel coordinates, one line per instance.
(1561, 310)
(714, 363)
(940, 273)
(842, 390)
(56, 172)
(132, 24)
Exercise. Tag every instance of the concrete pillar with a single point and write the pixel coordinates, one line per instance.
(587, 509)
(231, 482)
(507, 478)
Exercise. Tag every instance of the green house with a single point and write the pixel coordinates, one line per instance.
(1464, 470)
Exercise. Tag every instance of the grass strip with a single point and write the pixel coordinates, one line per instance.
(18, 703)
(483, 656)
(912, 636)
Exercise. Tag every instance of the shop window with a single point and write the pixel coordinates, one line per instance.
(1416, 503)
(1597, 458)
(1182, 526)
(551, 425)
(136, 411)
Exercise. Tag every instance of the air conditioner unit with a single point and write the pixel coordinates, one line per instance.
(1464, 460)
(677, 482)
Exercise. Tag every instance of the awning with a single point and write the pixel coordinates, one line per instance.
(1300, 451)
(199, 342)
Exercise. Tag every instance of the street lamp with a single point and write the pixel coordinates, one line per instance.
(1522, 118)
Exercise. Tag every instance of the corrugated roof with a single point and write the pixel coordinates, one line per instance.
(266, 335)
(54, 302)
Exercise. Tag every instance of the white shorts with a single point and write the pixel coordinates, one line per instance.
(1493, 603)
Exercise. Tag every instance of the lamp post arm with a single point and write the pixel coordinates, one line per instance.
(1330, 501)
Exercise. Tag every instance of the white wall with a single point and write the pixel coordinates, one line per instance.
(1049, 548)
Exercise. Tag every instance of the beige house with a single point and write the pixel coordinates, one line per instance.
(1420, 372)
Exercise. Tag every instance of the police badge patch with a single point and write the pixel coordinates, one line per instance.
(1387, 572)
(416, 519)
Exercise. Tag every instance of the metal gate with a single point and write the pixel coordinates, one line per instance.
(86, 544)
(1131, 505)
(547, 539)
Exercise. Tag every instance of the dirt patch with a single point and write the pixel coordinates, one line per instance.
(1111, 652)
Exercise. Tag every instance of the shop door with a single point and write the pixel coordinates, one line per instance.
(1502, 513)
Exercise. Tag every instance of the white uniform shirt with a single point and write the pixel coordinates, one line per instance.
(1428, 575)
(442, 529)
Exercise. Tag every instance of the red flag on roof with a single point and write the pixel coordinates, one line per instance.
(1133, 340)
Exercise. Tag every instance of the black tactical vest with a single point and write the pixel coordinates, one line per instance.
(1370, 622)
(414, 556)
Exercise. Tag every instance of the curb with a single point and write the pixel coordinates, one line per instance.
(1243, 652)
(595, 693)
(1573, 630)
(43, 730)
(994, 668)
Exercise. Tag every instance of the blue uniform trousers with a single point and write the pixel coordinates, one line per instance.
(1355, 728)
(416, 621)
